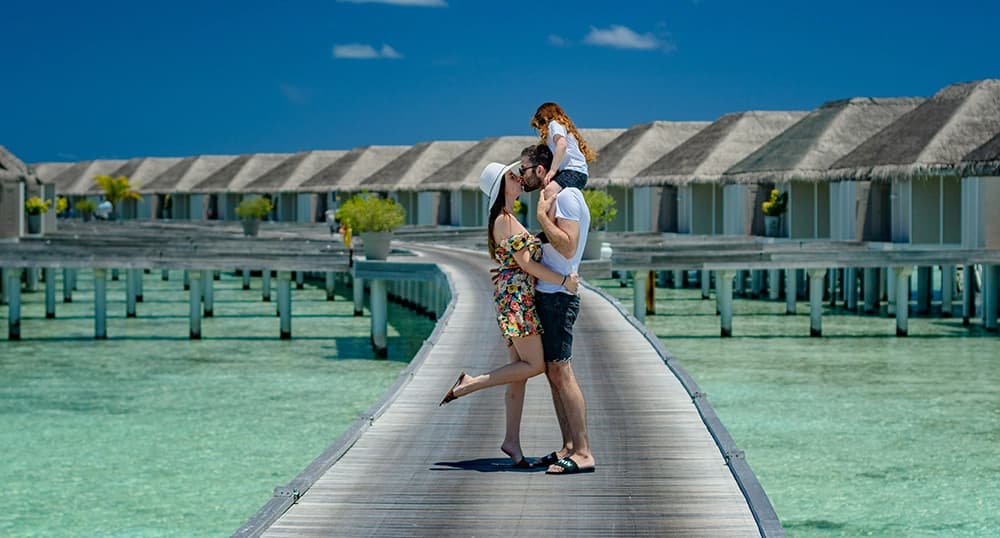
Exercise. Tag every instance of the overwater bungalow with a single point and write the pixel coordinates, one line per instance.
(695, 167)
(622, 158)
(919, 157)
(216, 189)
(342, 176)
(981, 196)
(458, 179)
(17, 183)
(401, 176)
(282, 182)
(139, 171)
(74, 181)
(169, 192)
(796, 162)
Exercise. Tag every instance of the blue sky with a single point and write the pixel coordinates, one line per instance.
(122, 79)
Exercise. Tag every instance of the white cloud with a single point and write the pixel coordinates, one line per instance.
(558, 41)
(360, 51)
(622, 37)
(416, 3)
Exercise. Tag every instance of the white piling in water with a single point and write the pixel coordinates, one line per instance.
(68, 285)
(13, 288)
(330, 285)
(791, 290)
(285, 303)
(380, 322)
(100, 303)
(902, 299)
(194, 302)
(265, 285)
(359, 296)
(50, 292)
(208, 293)
(816, 277)
(724, 298)
(640, 281)
(131, 291)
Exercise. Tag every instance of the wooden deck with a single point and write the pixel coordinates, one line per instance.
(413, 469)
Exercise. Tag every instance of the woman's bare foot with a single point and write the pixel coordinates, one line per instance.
(513, 452)
(451, 395)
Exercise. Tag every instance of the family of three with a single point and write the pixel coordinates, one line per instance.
(536, 285)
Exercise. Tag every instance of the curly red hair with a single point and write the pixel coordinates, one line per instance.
(553, 112)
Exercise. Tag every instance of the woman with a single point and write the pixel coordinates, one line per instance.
(517, 252)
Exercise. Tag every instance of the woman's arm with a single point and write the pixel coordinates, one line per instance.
(539, 271)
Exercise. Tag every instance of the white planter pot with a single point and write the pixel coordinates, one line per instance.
(592, 249)
(251, 227)
(377, 244)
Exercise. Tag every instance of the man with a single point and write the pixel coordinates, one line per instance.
(565, 219)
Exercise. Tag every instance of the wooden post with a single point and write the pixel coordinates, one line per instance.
(870, 286)
(651, 292)
(285, 303)
(947, 290)
(851, 288)
(130, 292)
(724, 296)
(330, 285)
(114, 274)
(774, 284)
(67, 286)
(358, 287)
(265, 285)
(791, 291)
(676, 279)
(816, 301)
(757, 283)
(246, 279)
(968, 294)
(100, 304)
(902, 299)
(300, 279)
(50, 292)
(991, 296)
(3, 286)
(32, 278)
(138, 284)
(165, 275)
(207, 280)
(187, 280)
(924, 289)
(13, 287)
(639, 283)
(706, 283)
(194, 301)
(890, 295)
(833, 274)
(380, 321)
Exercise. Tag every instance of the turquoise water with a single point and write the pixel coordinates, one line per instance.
(857, 433)
(151, 434)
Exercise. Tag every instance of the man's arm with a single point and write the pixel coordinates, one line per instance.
(564, 235)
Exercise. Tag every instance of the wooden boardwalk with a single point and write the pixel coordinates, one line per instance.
(414, 469)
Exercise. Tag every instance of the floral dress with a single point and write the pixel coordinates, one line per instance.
(515, 289)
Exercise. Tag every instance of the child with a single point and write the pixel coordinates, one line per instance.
(570, 153)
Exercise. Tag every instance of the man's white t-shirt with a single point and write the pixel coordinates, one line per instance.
(569, 206)
(574, 157)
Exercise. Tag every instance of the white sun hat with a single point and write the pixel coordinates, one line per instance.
(491, 178)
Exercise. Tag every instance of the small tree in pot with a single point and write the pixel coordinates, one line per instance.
(602, 212)
(774, 207)
(35, 207)
(373, 219)
(86, 208)
(252, 210)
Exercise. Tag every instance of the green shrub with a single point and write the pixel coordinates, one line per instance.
(368, 213)
(602, 208)
(85, 206)
(254, 208)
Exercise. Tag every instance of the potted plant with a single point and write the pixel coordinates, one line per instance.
(35, 207)
(774, 207)
(62, 205)
(86, 208)
(373, 219)
(252, 210)
(117, 190)
(602, 212)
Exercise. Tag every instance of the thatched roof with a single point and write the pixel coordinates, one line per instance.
(707, 155)
(414, 165)
(139, 171)
(931, 139)
(349, 170)
(598, 139)
(48, 171)
(463, 171)
(186, 173)
(806, 150)
(298, 168)
(984, 160)
(14, 169)
(240, 171)
(638, 147)
(78, 178)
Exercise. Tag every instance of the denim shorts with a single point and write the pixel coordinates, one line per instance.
(571, 178)
(557, 312)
